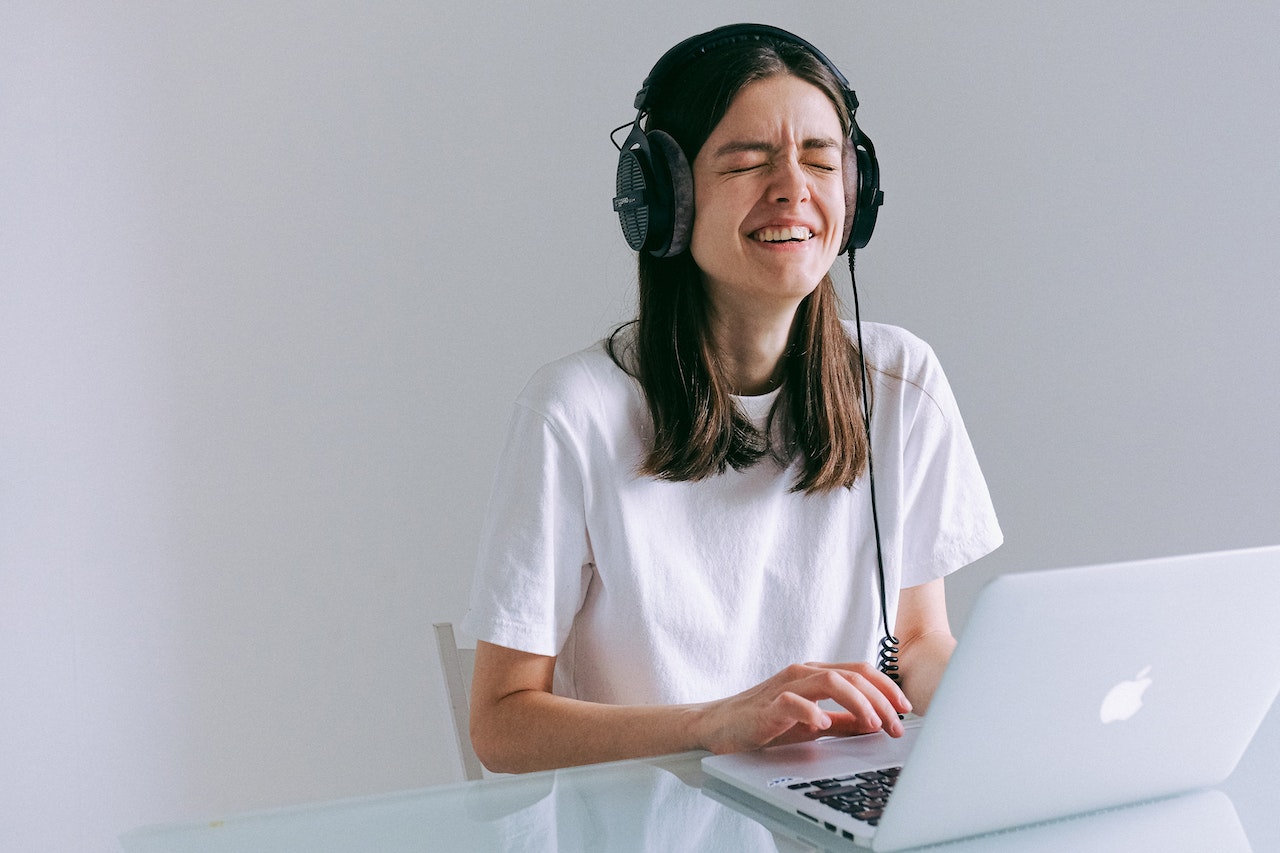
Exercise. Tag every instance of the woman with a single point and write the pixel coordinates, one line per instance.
(684, 514)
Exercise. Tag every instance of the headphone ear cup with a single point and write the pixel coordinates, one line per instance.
(852, 177)
(636, 202)
(862, 195)
(680, 200)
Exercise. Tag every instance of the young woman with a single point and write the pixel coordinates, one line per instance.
(684, 548)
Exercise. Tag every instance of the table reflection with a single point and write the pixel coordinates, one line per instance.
(623, 807)
(1191, 823)
(663, 804)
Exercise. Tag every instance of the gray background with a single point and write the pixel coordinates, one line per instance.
(273, 273)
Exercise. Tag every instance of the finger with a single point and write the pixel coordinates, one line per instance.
(860, 695)
(886, 685)
(884, 714)
(887, 714)
(792, 709)
(844, 724)
(802, 720)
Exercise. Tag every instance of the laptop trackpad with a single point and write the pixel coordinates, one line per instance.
(869, 752)
(817, 758)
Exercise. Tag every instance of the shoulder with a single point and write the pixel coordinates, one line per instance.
(577, 385)
(895, 351)
(906, 370)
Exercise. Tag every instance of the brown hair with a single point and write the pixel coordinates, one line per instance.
(698, 431)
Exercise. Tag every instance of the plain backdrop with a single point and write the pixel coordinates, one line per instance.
(271, 274)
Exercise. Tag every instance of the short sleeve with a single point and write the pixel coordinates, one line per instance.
(947, 516)
(534, 561)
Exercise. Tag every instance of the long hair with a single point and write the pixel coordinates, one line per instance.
(698, 431)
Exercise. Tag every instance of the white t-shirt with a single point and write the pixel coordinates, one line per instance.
(657, 592)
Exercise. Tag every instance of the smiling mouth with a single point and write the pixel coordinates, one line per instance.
(791, 234)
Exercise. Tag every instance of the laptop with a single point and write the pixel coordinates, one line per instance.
(1070, 691)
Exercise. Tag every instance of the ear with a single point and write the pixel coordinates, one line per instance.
(665, 146)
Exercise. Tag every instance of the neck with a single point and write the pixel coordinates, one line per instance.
(751, 349)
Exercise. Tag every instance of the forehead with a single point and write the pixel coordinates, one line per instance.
(782, 104)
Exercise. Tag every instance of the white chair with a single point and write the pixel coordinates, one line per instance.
(457, 665)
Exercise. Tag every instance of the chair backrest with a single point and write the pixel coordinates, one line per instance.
(457, 665)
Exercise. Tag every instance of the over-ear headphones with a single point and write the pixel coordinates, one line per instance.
(654, 200)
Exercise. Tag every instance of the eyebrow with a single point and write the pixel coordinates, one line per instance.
(746, 145)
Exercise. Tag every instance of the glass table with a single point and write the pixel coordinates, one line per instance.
(667, 804)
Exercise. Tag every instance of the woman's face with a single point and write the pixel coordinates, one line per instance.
(769, 196)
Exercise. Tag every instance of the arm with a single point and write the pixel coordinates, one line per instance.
(518, 724)
(925, 641)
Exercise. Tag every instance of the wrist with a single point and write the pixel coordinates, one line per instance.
(696, 725)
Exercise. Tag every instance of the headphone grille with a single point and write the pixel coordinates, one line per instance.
(634, 219)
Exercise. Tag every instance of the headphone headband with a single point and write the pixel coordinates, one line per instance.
(696, 46)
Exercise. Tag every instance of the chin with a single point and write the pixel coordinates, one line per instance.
(802, 287)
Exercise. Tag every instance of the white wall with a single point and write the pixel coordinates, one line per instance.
(272, 274)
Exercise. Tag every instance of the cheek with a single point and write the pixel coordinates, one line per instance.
(709, 209)
(832, 195)
(714, 229)
(704, 248)
(833, 203)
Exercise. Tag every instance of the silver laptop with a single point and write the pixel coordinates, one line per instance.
(1071, 691)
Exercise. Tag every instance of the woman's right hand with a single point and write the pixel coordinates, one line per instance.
(518, 724)
(785, 709)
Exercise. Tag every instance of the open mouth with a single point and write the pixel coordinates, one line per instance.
(790, 234)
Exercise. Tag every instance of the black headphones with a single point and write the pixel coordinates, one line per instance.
(655, 184)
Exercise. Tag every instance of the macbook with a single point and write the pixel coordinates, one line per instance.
(1071, 691)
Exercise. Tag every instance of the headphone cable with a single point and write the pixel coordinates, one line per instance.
(888, 658)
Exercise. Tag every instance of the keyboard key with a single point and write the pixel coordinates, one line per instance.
(860, 795)
(823, 793)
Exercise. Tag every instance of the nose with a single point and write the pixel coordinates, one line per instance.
(790, 184)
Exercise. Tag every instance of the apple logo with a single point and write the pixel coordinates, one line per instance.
(1124, 700)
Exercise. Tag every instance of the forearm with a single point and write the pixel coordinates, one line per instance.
(535, 730)
(518, 724)
(921, 662)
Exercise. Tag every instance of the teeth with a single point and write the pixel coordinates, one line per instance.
(781, 235)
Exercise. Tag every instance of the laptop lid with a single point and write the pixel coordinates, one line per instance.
(1073, 690)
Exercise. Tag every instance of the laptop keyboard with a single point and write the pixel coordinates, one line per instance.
(862, 795)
